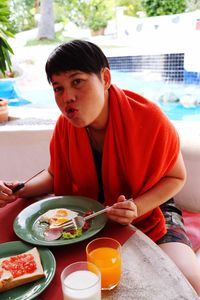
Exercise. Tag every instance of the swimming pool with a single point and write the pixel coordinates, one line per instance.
(144, 84)
(156, 90)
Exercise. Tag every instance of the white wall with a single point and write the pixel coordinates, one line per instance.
(23, 153)
(159, 35)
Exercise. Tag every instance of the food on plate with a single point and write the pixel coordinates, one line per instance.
(20, 269)
(57, 216)
(72, 234)
(52, 234)
(57, 219)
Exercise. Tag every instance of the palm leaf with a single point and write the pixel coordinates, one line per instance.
(2, 62)
(5, 44)
(5, 49)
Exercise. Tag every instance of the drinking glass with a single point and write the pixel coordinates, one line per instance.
(105, 253)
(81, 281)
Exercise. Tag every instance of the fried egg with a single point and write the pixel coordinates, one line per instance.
(58, 216)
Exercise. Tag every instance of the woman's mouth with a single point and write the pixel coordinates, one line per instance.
(71, 112)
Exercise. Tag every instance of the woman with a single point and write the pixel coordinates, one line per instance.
(113, 146)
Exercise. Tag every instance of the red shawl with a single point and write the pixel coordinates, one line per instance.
(140, 147)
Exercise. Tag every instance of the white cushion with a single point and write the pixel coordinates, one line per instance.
(189, 197)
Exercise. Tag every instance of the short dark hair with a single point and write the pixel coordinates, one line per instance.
(76, 55)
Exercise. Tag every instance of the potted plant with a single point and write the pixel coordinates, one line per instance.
(97, 26)
(5, 48)
(92, 14)
(5, 55)
(98, 16)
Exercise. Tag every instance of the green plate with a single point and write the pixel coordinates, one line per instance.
(29, 290)
(27, 227)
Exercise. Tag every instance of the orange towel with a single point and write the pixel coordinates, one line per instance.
(140, 147)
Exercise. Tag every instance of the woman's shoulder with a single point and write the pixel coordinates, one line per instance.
(144, 106)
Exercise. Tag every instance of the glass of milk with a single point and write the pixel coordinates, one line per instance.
(81, 281)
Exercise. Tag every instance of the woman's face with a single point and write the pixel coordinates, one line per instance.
(82, 97)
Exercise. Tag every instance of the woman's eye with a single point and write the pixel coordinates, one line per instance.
(57, 89)
(77, 82)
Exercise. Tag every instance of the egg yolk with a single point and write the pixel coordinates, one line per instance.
(56, 221)
(61, 213)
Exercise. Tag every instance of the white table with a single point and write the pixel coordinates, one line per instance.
(149, 274)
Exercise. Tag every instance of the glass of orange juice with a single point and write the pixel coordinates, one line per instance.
(105, 253)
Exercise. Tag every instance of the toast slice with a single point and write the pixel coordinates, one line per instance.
(20, 269)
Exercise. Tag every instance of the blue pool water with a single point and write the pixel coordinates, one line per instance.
(145, 85)
(8, 91)
(157, 90)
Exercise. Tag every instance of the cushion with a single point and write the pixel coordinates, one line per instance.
(192, 226)
(189, 197)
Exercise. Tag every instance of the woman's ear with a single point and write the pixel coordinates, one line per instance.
(106, 77)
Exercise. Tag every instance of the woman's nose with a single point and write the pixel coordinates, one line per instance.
(68, 101)
(69, 97)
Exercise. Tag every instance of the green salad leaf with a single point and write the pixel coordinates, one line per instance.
(72, 235)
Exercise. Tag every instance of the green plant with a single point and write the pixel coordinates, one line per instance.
(5, 48)
(97, 24)
(163, 7)
(131, 7)
(22, 15)
(93, 14)
(99, 13)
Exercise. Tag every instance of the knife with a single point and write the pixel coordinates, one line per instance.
(19, 186)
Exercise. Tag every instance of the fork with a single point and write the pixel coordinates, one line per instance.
(79, 221)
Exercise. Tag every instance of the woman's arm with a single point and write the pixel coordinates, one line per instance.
(165, 189)
(125, 212)
(38, 186)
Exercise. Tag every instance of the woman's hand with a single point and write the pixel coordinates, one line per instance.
(6, 194)
(123, 211)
